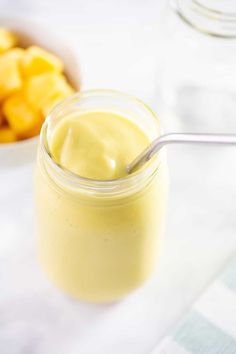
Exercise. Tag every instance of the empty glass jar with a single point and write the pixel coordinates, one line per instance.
(198, 80)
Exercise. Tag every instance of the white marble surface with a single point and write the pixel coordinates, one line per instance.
(117, 45)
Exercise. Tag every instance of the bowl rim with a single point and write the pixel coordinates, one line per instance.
(19, 143)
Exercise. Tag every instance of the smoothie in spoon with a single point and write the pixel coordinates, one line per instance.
(97, 145)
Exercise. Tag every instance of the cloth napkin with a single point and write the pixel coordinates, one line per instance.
(210, 327)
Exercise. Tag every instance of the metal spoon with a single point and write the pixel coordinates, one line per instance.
(179, 138)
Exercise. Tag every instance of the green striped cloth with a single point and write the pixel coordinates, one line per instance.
(210, 327)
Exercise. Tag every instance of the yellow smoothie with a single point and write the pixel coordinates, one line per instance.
(98, 240)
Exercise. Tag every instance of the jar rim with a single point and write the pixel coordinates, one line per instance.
(77, 181)
(208, 20)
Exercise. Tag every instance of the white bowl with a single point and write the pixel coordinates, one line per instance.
(29, 33)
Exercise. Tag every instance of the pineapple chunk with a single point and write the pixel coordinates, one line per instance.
(35, 130)
(41, 89)
(52, 103)
(19, 114)
(2, 118)
(7, 135)
(7, 40)
(37, 61)
(10, 76)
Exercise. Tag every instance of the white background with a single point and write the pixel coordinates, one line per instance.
(118, 44)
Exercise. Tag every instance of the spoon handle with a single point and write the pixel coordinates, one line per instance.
(180, 138)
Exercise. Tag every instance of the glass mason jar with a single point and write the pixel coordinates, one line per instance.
(98, 240)
(199, 75)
